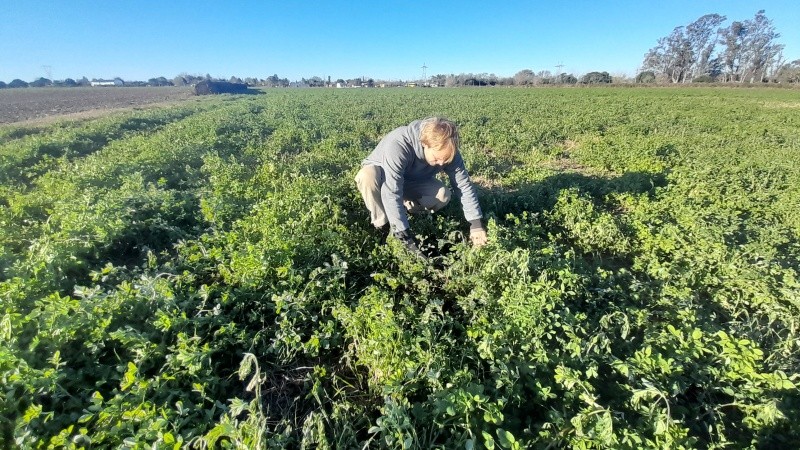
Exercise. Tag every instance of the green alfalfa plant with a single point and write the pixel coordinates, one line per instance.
(395, 428)
(379, 343)
(594, 231)
(229, 192)
(244, 425)
(38, 151)
(304, 322)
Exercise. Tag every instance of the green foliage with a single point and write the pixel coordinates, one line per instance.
(648, 76)
(205, 276)
(596, 77)
(703, 79)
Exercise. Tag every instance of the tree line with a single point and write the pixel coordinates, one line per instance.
(708, 50)
(525, 77)
(179, 80)
(705, 50)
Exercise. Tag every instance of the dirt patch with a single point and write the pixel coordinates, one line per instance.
(31, 106)
(781, 105)
(564, 162)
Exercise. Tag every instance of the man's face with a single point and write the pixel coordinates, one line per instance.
(434, 158)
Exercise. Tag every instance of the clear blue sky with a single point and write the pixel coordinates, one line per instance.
(382, 40)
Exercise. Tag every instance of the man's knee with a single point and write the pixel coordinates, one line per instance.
(444, 196)
(437, 201)
(369, 177)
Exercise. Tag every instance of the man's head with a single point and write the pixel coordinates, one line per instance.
(439, 138)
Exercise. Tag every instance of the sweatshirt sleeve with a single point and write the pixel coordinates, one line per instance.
(464, 189)
(396, 159)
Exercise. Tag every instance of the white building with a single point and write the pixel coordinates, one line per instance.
(114, 82)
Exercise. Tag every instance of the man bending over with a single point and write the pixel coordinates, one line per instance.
(399, 177)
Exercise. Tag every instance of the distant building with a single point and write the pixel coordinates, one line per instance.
(114, 82)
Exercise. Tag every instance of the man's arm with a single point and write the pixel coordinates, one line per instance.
(464, 189)
(395, 161)
(468, 194)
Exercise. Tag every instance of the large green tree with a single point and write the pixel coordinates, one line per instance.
(749, 51)
(760, 51)
(789, 73)
(41, 82)
(702, 37)
(596, 77)
(524, 77)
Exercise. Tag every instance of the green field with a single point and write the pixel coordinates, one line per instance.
(206, 275)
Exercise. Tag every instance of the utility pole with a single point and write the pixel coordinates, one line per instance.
(558, 71)
(48, 70)
(424, 78)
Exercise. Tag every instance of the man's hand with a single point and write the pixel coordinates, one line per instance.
(477, 234)
(478, 237)
(408, 242)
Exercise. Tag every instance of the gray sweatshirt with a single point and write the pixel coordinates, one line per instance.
(401, 156)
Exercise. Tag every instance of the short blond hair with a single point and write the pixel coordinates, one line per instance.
(441, 136)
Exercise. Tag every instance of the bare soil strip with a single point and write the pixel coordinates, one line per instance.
(34, 106)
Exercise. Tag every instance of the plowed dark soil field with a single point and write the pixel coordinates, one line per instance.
(37, 105)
